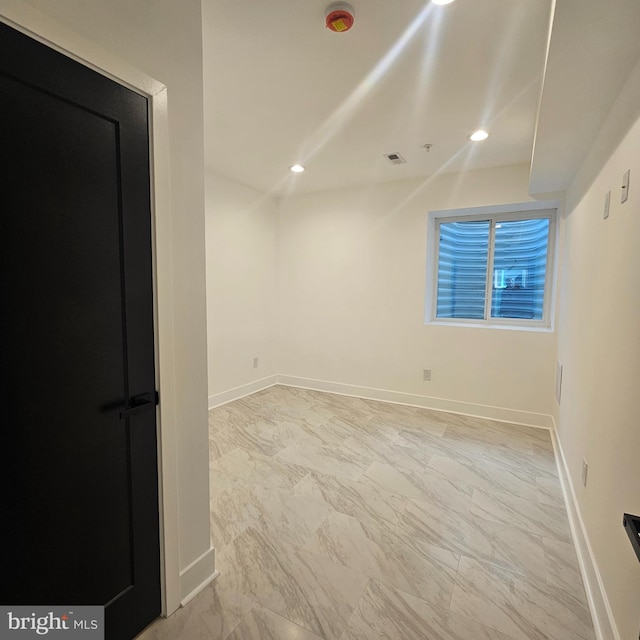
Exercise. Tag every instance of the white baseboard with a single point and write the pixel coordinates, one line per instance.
(603, 621)
(243, 390)
(197, 575)
(501, 414)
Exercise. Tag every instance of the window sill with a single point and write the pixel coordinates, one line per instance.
(491, 325)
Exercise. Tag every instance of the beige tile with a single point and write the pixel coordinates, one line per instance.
(233, 414)
(233, 508)
(256, 468)
(543, 444)
(484, 474)
(428, 485)
(435, 444)
(426, 525)
(305, 588)
(385, 613)
(522, 457)
(332, 461)
(298, 407)
(455, 525)
(381, 450)
(279, 404)
(494, 434)
(331, 432)
(398, 417)
(237, 505)
(290, 517)
(538, 435)
(525, 465)
(349, 408)
(263, 624)
(394, 412)
(545, 454)
(211, 615)
(376, 551)
(550, 491)
(258, 437)
(562, 568)
(184, 623)
(218, 446)
(522, 608)
(352, 498)
(537, 518)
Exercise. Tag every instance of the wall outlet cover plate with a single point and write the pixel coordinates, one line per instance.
(607, 204)
(625, 186)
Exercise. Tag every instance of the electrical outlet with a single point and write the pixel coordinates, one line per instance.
(255, 363)
(426, 375)
(607, 204)
(558, 381)
(625, 187)
(585, 469)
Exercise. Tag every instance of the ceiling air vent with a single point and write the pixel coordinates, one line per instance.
(395, 158)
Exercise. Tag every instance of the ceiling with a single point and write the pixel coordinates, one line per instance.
(282, 89)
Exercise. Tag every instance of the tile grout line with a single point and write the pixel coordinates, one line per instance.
(355, 608)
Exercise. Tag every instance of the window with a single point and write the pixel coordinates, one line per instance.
(491, 268)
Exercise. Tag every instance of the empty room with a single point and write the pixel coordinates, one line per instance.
(330, 322)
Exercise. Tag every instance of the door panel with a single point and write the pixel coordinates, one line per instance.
(77, 326)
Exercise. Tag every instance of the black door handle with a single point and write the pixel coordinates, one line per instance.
(139, 404)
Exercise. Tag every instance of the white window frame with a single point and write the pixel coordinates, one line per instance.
(494, 214)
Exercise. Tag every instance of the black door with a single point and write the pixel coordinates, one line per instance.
(80, 520)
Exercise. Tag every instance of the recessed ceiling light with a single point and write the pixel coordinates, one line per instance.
(442, 1)
(297, 168)
(479, 135)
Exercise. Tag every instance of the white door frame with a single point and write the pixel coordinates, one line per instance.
(35, 24)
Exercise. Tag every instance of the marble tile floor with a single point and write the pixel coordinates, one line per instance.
(340, 518)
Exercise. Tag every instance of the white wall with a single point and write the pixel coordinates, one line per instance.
(351, 268)
(241, 285)
(163, 39)
(599, 346)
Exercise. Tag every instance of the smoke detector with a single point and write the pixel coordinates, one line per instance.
(395, 158)
(339, 17)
